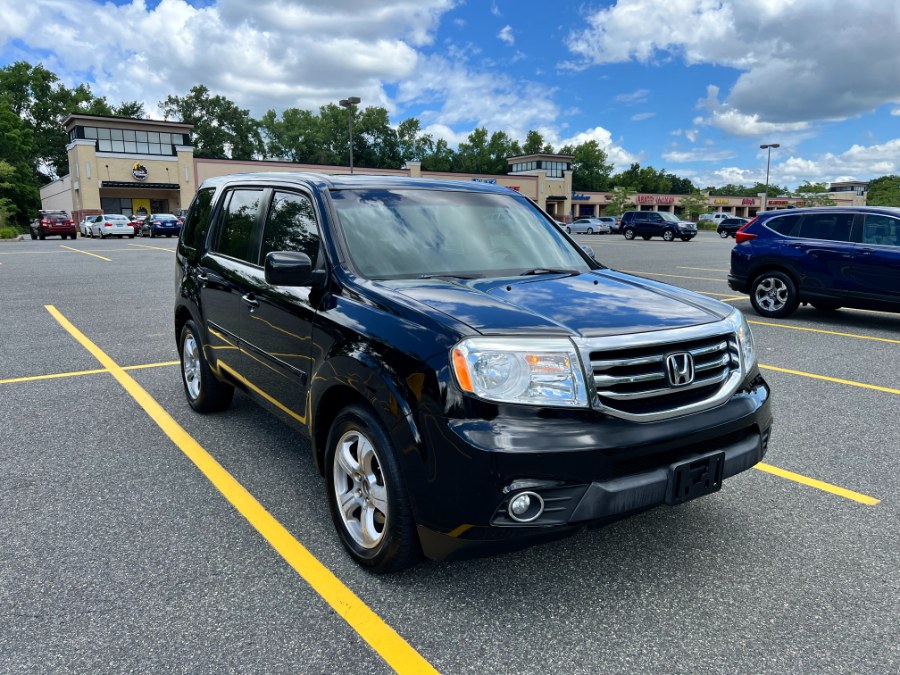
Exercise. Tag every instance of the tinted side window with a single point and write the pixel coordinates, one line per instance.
(236, 229)
(830, 226)
(881, 230)
(291, 226)
(786, 225)
(197, 217)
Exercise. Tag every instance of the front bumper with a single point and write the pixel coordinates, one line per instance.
(588, 469)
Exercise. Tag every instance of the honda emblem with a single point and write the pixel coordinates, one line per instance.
(680, 368)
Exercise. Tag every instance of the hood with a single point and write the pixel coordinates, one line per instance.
(597, 303)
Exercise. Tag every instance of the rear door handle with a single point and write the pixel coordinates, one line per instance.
(250, 300)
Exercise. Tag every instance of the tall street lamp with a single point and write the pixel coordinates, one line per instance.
(349, 103)
(768, 160)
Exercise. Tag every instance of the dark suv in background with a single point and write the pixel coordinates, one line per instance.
(53, 223)
(728, 227)
(468, 376)
(647, 224)
(829, 257)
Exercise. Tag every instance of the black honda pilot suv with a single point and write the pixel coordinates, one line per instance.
(468, 377)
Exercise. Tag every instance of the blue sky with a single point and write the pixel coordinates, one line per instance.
(692, 86)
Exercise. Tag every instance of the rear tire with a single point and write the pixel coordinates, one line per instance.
(774, 295)
(204, 392)
(366, 495)
(629, 233)
(723, 234)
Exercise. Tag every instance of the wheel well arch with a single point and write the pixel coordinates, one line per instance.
(326, 410)
(182, 316)
(772, 267)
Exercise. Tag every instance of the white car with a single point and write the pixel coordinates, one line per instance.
(112, 224)
(590, 226)
(84, 227)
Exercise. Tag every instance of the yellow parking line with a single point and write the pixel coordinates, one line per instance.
(673, 276)
(821, 485)
(398, 654)
(78, 250)
(35, 378)
(837, 380)
(158, 248)
(826, 332)
(54, 376)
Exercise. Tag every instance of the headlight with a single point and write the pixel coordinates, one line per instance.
(540, 371)
(745, 341)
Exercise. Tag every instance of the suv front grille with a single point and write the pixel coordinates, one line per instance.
(635, 382)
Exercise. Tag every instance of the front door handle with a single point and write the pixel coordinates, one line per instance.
(251, 301)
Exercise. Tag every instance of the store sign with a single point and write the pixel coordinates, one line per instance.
(748, 201)
(721, 201)
(489, 181)
(580, 198)
(514, 187)
(778, 202)
(644, 199)
(665, 200)
(139, 171)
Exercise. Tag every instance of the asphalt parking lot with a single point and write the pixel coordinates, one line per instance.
(138, 535)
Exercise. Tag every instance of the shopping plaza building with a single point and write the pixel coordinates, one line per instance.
(137, 166)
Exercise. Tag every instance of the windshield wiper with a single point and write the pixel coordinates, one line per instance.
(548, 270)
(439, 275)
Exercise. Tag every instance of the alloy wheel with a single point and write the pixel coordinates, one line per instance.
(360, 490)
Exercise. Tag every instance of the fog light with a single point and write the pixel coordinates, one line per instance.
(520, 505)
(525, 507)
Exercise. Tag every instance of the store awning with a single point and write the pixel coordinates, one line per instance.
(556, 198)
(139, 186)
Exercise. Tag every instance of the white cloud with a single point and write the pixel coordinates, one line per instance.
(616, 154)
(800, 60)
(248, 50)
(895, 112)
(731, 120)
(681, 156)
(640, 117)
(495, 10)
(638, 96)
(506, 35)
(859, 162)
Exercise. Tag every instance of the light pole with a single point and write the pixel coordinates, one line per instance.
(768, 160)
(349, 103)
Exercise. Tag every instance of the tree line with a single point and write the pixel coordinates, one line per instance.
(34, 102)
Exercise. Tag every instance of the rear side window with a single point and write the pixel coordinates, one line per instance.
(291, 226)
(789, 226)
(197, 217)
(237, 226)
(828, 226)
(881, 230)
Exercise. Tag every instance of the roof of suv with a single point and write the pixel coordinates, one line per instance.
(889, 210)
(350, 181)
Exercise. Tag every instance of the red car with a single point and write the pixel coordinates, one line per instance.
(53, 223)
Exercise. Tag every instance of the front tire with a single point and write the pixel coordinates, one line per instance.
(669, 235)
(204, 392)
(366, 495)
(629, 233)
(774, 295)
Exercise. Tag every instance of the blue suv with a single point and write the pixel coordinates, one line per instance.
(828, 257)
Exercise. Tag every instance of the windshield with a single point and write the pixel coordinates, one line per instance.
(671, 217)
(416, 232)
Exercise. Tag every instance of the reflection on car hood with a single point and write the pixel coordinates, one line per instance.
(597, 303)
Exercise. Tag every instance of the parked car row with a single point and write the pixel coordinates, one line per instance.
(113, 224)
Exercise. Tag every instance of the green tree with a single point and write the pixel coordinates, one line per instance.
(375, 142)
(415, 146)
(622, 199)
(534, 144)
(441, 158)
(695, 204)
(814, 194)
(40, 100)
(591, 171)
(221, 129)
(19, 179)
(884, 191)
(472, 156)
